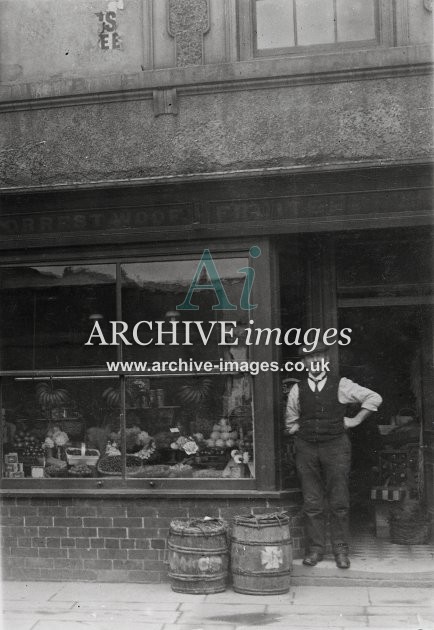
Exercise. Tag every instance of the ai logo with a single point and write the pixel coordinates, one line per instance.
(208, 266)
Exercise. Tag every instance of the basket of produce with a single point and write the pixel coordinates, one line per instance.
(83, 455)
(56, 471)
(111, 465)
(148, 472)
(409, 524)
(81, 471)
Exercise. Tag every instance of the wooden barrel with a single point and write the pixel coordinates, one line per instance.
(198, 555)
(261, 554)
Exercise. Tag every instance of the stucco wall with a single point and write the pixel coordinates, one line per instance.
(308, 124)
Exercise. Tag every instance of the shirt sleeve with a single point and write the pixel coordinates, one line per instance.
(292, 413)
(350, 392)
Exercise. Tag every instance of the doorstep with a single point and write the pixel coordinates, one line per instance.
(387, 573)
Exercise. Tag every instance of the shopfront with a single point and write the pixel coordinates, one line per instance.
(100, 452)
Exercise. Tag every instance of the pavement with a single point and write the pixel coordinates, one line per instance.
(108, 606)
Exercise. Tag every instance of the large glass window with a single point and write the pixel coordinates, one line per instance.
(46, 312)
(281, 25)
(137, 405)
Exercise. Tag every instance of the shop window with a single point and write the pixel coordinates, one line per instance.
(45, 313)
(275, 27)
(67, 416)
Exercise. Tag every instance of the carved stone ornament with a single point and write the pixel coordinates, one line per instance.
(428, 5)
(188, 21)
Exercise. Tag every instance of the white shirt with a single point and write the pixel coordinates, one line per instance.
(348, 392)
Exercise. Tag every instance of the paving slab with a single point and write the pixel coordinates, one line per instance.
(307, 609)
(200, 626)
(424, 611)
(49, 607)
(267, 620)
(122, 592)
(41, 591)
(397, 620)
(23, 623)
(89, 625)
(401, 596)
(143, 606)
(212, 608)
(230, 596)
(323, 595)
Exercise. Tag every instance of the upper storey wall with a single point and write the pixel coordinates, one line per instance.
(48, 40)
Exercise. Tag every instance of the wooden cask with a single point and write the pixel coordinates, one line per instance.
(198, 555)
(261, 554)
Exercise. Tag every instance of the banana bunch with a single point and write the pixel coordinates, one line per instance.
(48, 397)
(112, 397)
(195, 391)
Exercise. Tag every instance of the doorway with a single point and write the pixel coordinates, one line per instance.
(378, 283)
(387, 460)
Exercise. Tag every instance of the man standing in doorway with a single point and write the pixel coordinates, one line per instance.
(315, 415)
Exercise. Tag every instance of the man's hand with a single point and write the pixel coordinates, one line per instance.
(350, 423)
(294, 428)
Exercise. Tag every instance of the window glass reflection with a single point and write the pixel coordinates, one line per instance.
(274, 24)
(47, 314)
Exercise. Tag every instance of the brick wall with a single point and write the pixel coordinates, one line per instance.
(113, 540)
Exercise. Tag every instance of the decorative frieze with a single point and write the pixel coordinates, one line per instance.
(188, 21)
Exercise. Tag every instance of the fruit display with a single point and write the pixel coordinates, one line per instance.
(112, 397)
(186, 444)
(80, 470)
(49, 397)
(195, 391)
(82, 456)
(135, 439)
(222, 435)
(112, 465)
(55, 471)
(27, 444)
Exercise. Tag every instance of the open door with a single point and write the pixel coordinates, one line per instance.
(427, 445)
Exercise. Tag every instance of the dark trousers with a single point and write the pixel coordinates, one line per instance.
(323, 469)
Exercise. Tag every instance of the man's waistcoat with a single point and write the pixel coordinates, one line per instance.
(321, 413)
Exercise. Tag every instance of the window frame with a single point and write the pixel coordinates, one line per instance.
(262, 292)
(246, 13)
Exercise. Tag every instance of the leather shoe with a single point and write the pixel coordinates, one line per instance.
(312, 558)
(342, 561)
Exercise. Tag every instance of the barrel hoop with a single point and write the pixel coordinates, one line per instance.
(260, 525)
(198, 550)
(184, 577)
(262, 520)
(263, 591)
(196, 534)
(261, 573)
(264, 543)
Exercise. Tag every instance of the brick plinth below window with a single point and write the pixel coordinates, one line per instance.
(112, 540)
